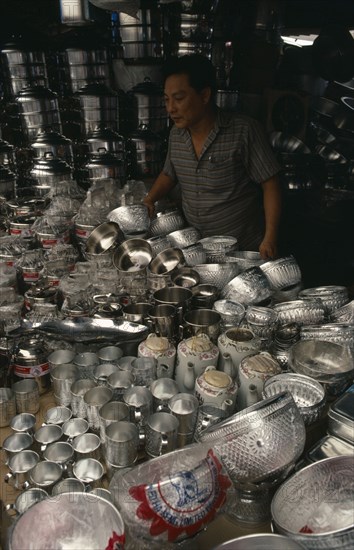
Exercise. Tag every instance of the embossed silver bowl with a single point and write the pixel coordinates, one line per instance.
(103, 238)
(185, 276)
(166, 261)
(167, 222)
(216, 274)
(231, 313)
(132, 219)
(309, 395)
(303, 312)
(245, 258)
(282, 273)
(132, 255)
(249, 287)
(331, 296)
(158, 244)
(315, 505)
(344, 314)
(218, 246)
(184, 237)
(261, 441)
(194, 254)
(340, 333)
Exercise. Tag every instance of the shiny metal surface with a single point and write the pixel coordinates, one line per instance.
(103, 237)
(132, 255)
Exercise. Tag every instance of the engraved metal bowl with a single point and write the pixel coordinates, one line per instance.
(249, 287)
(331, 296)
(132, 255)
(218, 246)
(344, 314)
(287, 143)
(185, 276)
(166, 261)
(194, 254)
(261, 441)
(217, 274)
(132, 219)
(184, 237)
(158, 244)
(245, 258)
(340, 333)
(309, 395)
(282, 273)
(260, 541)
(303, 312)
(103, 238)
(231, 313)
(318, 492)
(166, 222)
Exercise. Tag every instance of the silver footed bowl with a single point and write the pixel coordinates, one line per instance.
(216, 274)
(249, 287)
(245, 258)
(262, 441)
(315, 505)
(302, 312)
(231, 313)
(309, 395)
(344, 314)
(331, 296)
(184, 237)
(282, 273)
(132, 219)
(339, 333)
(166, 222)
(194, 254)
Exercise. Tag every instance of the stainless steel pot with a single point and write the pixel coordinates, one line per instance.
(105, 165)
(146, 157)
(7, 155)
(30, 360)
(7, 183)
(37, 99)
(141, 35)
(105, 138)
(55, 143)
(99, 105)
(148, 106)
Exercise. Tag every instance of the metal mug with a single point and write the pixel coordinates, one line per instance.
(202, 321)
(78, 390)
(125, 362)
(139, 400)
(74, 427)
(19, 465)
(45, 474)
(86, 363)
(161, 433)
(94, 399)
(45, 435)
(119, 382)
(185, 407)
(114, 411)
(163, 320)
(176, 296)
(60, 357)
(144, 370)
(57, 415)
(208, 415)
(26, 396)
(162, 390)
(26, 499)
(137, 313)
(23, 423)
(62, 378)
(87, 446)
(103, 371)
(15, 443)
(122, 444)
(89, 471)
(68, 485)
(110, 354)
(7, 406)
(62, 453)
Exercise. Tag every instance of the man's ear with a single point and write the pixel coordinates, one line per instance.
(206, 94)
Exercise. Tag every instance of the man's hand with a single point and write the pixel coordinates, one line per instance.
(150, 205)
(268, 250)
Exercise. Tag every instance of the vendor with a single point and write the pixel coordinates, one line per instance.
(222, 162)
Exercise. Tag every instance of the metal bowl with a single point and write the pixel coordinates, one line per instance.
(103, 238)
(260, 541)
(217, 246)
(245, 258)
(286, 143)
(194, 254)
(166, 222)
(331, 296)
(186, 276)
(217, 274)
(282, 273)
(344, 314)
(166, 261)
(184, 237)
(158, 244)
(132, 255)
(339, 333)
(231, 313)
(318, 492)
(309, 395)
(133, 219)
(204, 296)
(250, 287)
(330, 155)
(303, 312)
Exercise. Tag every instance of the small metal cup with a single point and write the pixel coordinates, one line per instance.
(86, 363)
(45, 475)
(68, 485)
(7, 406)
(102, 372)
(19, 465)
(119, 382)
(60, 357)
(15, 443)
(136, 313)
(62, 453)
(114, 411)
(57, 415)
(163, 320)
(23, 423)
(74, 427)
(185, 407)
(161, 432)
(45, 435)
(87, 446)
(90, 472)
(110, 354)
(122, 443)
(144, 370)
(94, 399)
(162, 390)
(78, 390)
(125, 362)
(62, 378)
(26, 499)
(139, 400)
(26, 396)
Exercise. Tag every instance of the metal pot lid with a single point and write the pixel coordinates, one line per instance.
(51, 165)
(102, 133)
(103, 158)
(5, 146)
(96, 89)
(35, 92)
(6, 174)
(50, 137)
(144, 133)
(146, 87)
(29, 349)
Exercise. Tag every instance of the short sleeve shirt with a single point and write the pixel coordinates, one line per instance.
(221, 192)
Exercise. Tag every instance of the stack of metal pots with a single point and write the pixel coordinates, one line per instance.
(22, 68)
(38, 108)
(86, 66)
(141, 36)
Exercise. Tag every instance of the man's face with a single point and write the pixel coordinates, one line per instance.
(184, 104)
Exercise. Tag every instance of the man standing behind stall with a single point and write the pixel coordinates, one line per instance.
(222, 162)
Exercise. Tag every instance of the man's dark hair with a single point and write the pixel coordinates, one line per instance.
(200, 71)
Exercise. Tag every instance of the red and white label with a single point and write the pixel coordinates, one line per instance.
(32, 371)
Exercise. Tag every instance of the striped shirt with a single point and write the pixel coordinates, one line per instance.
(221, 192)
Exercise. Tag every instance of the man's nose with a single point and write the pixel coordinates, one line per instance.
(170, 106)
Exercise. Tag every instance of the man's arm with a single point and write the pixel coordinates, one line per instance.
(161, 186)
(272, 211)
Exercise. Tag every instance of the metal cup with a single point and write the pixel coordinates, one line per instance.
(78, 390)
(139, 401)
(7, 406)
(26, 499)
(26, 396)
(122, 443)
(136, 313)
(74, 427)
(119, 382)
(23, 423)
(15, 443)
(203, 321)
(162, 390)
(68, 485)
(89, 471)
(87, 446)
(62, 378)
(103, 371)
(185, 407)
(60, 357)
(110, 354)
(114, 411)
(144, 370)
(94, 399)
(208, 415)
(19, 465)
(62, 453)
(45, 435)
(176, 296)
(86, 363)
(161, 432)
(125, 362)
(45, 475)
(163, 320)
(103, 493)
(57, 415)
